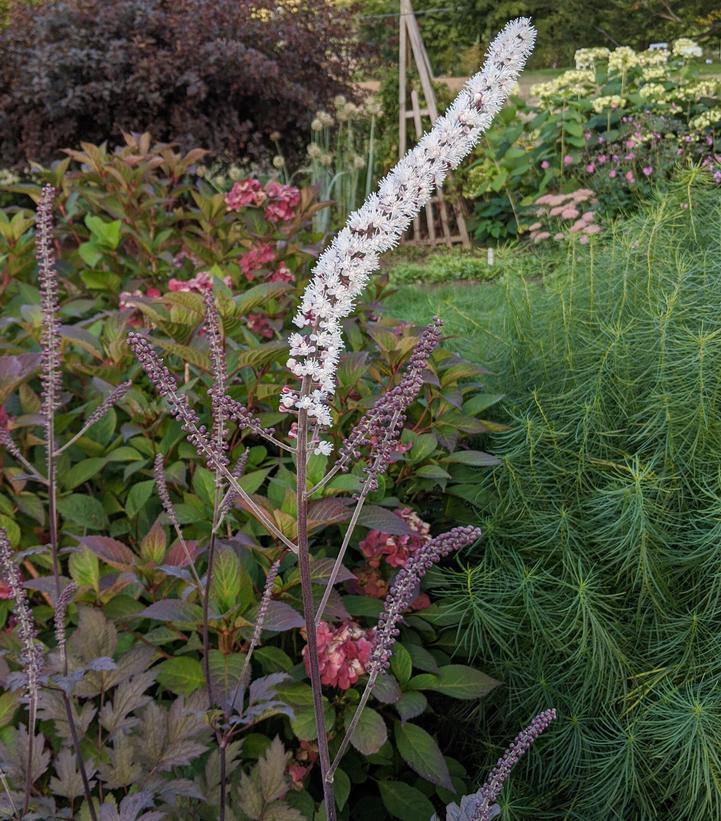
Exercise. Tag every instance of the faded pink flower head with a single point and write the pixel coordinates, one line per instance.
(545, 164)
(629, 177)
(258, 257)
(282, 274)
(569, 213)
(245, 192)
(540, 237)
(612, 173)
(647, 170)
(590, 168)
(283, 200)
(396, 549)
(343, 653)
(568, 159)
(559, 236)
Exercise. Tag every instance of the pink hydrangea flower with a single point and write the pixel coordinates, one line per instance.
(343, 653)
(368, 582)
(396, 549)
(258, 257)
(259, 324)
(282, 274)
(202, 281)
(245, 192)
(283, 200)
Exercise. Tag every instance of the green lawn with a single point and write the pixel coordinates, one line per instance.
(472, 314)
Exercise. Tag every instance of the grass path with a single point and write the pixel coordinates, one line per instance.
(472, 313)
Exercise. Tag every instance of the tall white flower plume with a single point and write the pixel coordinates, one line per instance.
(343, 269)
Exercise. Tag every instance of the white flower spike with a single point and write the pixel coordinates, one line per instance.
(342, 271)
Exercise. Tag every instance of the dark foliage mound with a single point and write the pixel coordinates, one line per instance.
(223, 74)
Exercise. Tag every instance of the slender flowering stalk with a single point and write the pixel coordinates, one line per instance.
(61, 610)
(257, 631)
(50, 374)
(513, 754)
(405, 588)
(343, 269)
(217, 359)
(399, 599)
(115, 396)
(168, 507)
(31, 655)
(231, 495)
(383, 424)
(7, 441)
(197, 434)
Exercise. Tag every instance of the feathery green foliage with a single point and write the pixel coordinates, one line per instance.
(598, 587)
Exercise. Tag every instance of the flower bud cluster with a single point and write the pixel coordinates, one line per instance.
(167, 387)
(31, 654)
(404, 590)
(50, 375)
(383, 424)
(513, 754)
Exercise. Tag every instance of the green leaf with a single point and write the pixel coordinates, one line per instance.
(81, 472)
(423, 681)
(85, 569)
(423, 447)
(204, 486)
(420, 751)
(138, 496)
(181, 675)
(411, 705)
(227, 582)
(401, 664)
(459, 681)
(8, 704)
(86, 511)
(11, 528)
(480, 402)
(432, 472)
(405, 802)
(370, 733)
(341, 784)
(90, 253)
(107, 233)
(303, 723)
(476, 458)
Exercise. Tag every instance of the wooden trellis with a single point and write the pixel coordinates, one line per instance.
(443, 221)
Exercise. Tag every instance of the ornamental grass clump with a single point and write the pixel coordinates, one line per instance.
(347, 653)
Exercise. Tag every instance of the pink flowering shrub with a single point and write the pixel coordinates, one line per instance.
(343, 653)
(565, 217)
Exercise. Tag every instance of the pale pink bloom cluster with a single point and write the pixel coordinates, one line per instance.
(259, 256)
(396, 550)
(280, 201)
(556, 211)
(342, 271)
(343, 653)
(202, 281)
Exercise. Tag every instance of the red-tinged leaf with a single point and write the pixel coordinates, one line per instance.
(173, 610)
(320, 570)
(380, 518)
(177, 556)
(111, 551)
(326, 512)
(281, 617)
